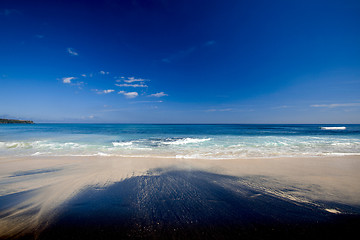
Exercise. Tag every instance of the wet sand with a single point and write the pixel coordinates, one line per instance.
(143, 198)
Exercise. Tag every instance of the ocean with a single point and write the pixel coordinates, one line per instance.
(187, 141)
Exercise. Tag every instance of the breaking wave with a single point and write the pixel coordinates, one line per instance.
(216, 147)
(121, 144)
(183, 141)
(333, 128)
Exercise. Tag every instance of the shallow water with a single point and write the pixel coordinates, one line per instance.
(180, 141)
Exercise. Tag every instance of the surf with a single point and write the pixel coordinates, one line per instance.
(333, 128)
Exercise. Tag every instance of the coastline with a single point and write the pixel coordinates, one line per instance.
(51, 192)
(15, 121)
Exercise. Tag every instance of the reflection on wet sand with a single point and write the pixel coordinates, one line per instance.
(92, 197)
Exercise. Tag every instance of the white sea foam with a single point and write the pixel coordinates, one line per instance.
(102, 154)
(229, 147)
(10, 145)
(183, 141)
(121, 144)
(333, 128)
(41, 145)
(341, 154)
(40, 153)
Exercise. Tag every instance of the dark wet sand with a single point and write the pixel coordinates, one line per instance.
(190, 204)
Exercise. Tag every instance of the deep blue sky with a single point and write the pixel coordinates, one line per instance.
(162, 61)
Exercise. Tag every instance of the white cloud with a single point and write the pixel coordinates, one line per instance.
(68, 79)
(148, 101)
(334, 105)
(131, 85)
(108, 91)
(132, 79)
(129, 94)
(104, 73)
(104, 91)
(160, 94)
(72, 52)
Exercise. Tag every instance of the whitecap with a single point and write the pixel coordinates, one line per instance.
(333, 128)
(121, 144)
(183, 141)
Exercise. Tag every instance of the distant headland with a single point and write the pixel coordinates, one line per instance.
(9, 121)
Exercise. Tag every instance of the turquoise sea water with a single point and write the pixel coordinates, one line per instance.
(180, 141)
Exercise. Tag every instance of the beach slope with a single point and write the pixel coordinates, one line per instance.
(142, 198)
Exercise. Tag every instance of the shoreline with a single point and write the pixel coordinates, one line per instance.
(42, 194)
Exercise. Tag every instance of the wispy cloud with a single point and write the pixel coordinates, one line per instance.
(281, 107)
(131, 85)
(130, 82)
(129, 94)
(132, 79)
(72, 52)
(104, 91)
(108, 91)
(119, 80)
(335, 105)
(160, 94)
(219, 110)
(67, 79)
(70, 81)
(229, 109)
(148, 101)
(78, 84)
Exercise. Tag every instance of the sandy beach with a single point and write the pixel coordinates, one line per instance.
(141, 198)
